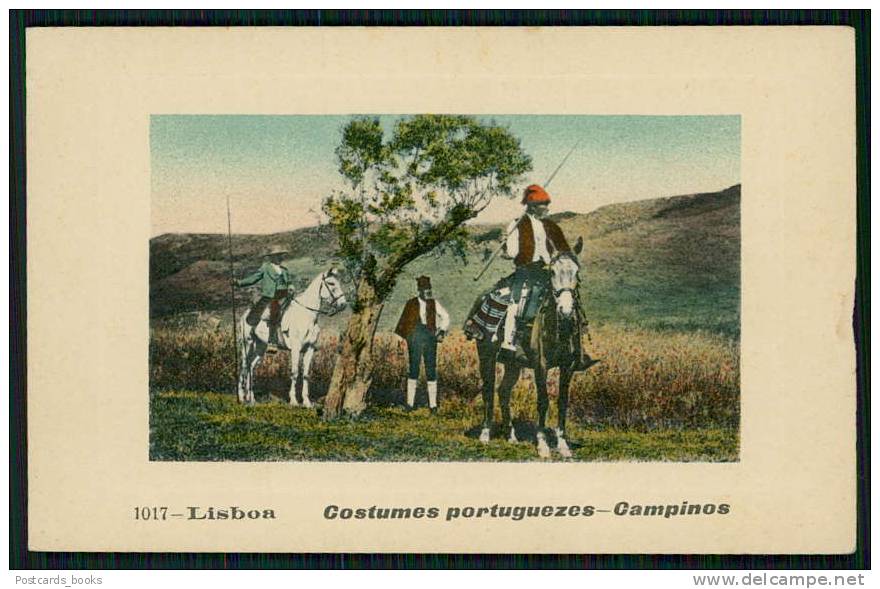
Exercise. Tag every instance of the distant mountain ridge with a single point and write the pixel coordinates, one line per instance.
(671, 262)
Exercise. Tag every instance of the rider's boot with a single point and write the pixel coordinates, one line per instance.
(510, 351)
(274, 323)
(507, 346)
(272, 344)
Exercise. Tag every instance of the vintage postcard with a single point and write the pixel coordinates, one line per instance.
(428, 250)
(442, 290)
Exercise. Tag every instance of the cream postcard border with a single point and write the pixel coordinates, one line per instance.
(90, 94)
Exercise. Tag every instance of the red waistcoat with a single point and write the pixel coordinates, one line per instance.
(556, 241)
(409, 318)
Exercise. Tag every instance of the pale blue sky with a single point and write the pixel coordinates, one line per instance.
(277, 169)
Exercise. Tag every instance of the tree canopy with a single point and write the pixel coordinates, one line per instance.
(409, 193)
(406, 195)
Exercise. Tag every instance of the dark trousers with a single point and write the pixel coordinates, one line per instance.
(421, 343)
(526, 275)
(256, 312)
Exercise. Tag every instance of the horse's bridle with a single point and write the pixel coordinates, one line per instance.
(333, 299)
(571, 289)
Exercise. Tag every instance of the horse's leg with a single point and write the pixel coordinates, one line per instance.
(487, 352)
(256, 356)
(543, 405)
(295, 360)
(306, 371)
(511, 375)
(244, 362)
(246, 386)
(565, 375)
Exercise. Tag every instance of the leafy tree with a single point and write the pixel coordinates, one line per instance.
(406, 195)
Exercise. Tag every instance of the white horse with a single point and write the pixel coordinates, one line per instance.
(297, 333)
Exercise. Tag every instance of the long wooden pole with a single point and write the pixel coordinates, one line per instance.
(232, 293)
(504, 240)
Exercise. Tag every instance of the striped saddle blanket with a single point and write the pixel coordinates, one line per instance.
(488, 312)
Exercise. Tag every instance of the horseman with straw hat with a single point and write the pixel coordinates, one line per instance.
(274, 281)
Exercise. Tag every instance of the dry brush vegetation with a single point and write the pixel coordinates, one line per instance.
(646, 379)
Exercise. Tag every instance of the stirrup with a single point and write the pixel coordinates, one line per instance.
(585, 363)
(518, 355)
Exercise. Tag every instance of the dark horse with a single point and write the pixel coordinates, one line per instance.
(554, 342)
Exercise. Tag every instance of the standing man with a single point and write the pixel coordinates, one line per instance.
(274, 280)
(423, 323)
(532, 241)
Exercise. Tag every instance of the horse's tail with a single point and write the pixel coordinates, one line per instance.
(244, 332)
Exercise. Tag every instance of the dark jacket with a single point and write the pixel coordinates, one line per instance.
(409, 318)
(270, 280)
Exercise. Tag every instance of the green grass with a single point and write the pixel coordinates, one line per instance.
(204, 426)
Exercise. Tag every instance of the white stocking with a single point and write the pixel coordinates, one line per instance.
(411, 391)
(432, 394)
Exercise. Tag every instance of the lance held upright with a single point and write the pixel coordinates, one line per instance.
(423, 323)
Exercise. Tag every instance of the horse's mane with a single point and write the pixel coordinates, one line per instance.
(567, 254)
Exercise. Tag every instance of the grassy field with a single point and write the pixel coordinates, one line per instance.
(198, 426)
(654, 396)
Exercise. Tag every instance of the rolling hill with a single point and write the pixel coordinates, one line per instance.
(664, 263)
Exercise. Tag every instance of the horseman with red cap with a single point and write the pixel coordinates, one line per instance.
(532, 241)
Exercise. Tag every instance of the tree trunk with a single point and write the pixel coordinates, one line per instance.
(353, 371)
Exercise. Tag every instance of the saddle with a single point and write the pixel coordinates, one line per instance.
(490, 308)
(269, 312)
(488, 312)
(265, 311)
(277, 308)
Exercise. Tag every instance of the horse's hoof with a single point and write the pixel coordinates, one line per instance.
(563, 448)
(484, 435)
(543, 448)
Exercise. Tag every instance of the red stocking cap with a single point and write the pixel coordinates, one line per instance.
(534, 194)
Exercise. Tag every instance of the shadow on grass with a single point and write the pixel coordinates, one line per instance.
(525, 430)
